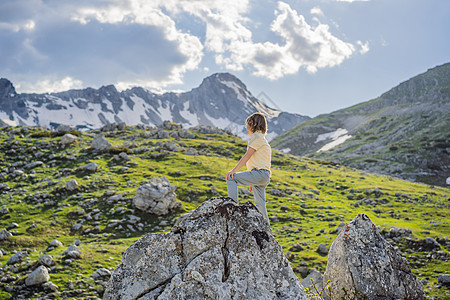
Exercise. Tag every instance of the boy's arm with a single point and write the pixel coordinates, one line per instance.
(241, 163)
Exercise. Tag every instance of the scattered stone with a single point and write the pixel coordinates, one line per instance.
(71, 185)
(444, 279)
(219, 251)
(72, 251)
(4, 234)
(40, 275)
(366, 266)
(317, 277)
(157, 196)
(90, 167)
(50, 286)
(65, 128)
(17, 257)
(102, 272)
(12, 226)
(296, 248)
(171, 146)
(124, 156)
(68, 139)
(33, 164)
(322, 249)
(46, 260)
(100, 143)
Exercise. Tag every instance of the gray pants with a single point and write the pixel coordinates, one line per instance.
(258, 179)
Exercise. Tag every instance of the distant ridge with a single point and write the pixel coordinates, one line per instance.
(405, 132)
(222, 100)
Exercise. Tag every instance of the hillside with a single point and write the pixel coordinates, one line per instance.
(403, 133)
(221, 100)
(307, 201)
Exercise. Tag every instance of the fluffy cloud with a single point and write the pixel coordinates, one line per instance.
(304, 45)
(51, 85)
(121, 42)
(150, 43)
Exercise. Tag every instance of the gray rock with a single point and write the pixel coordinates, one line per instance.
(72, 251)
(124, 156)
(156, 197)
(219, 251)
(33, 164)
(444, 279)
(102, 272)
(64, 128)
(46, 260)
(50, 286)
(71, 185)
(322, 249)
(191, 151)
(68, 139)
(171, 146)
(317, 277)
(12, 225)
(100, 143)
(365, 265)
(431, 243)
(90, 167)
(4, 234)
(40, 275)
(17, 257)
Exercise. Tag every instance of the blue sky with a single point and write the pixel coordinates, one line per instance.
(310, 57)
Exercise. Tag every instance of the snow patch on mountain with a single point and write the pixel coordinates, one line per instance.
(338, 137)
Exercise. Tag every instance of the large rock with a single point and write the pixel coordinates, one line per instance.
(4, 234)
(157, 196)
(219, 251)
(100, 143)
(68, 139)
(40, 275)
(365, 265)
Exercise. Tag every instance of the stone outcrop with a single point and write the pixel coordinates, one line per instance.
(365, 265)
(219, 251)
(157, 196)
(100, 143)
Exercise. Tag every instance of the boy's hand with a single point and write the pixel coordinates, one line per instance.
(229, 175)
(250, 189)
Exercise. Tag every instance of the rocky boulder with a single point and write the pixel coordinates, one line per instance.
(68, 139)
(100, 143)
(40, 275)
(219, 251)
(157, 196)
(367, 267)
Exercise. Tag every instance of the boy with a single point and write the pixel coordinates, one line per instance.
(257, 159)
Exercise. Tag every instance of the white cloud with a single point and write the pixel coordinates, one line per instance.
(364, 47)
(228, 37)
(50, 86)
(352, 0)
(316, 11)
(148, 13)
(140, 42)
(304, 46)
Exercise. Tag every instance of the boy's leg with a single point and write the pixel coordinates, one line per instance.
(232, 190)
(260, 200)
(244, 178)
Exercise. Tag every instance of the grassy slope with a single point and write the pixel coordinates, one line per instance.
(294, 176)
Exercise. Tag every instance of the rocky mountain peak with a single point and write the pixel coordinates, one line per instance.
(7, 89)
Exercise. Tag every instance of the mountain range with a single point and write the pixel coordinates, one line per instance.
(221, 100)
(404, 132)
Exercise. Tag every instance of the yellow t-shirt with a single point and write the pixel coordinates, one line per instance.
(262, 156)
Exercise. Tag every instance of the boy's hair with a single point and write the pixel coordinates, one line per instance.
(257, 122)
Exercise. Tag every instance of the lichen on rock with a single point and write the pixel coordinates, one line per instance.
(221, 250)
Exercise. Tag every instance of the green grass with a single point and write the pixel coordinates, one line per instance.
(196, 181)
